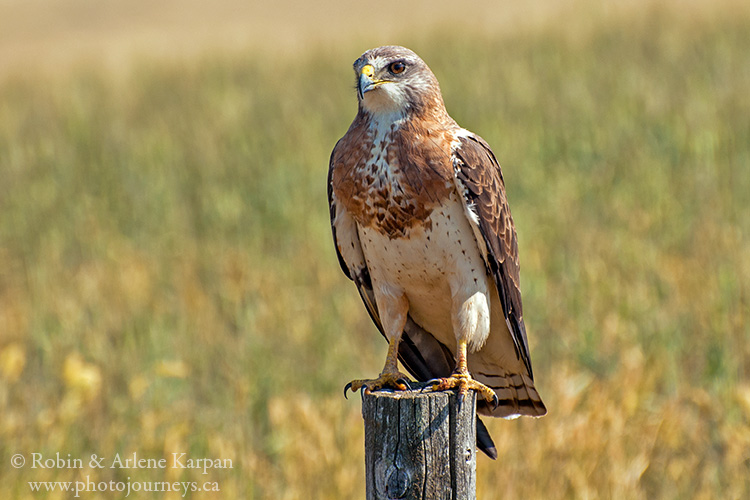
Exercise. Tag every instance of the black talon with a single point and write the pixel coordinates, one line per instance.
(346, 388)
(495, 402)
(405, 382)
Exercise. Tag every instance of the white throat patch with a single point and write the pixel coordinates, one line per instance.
(386, 99)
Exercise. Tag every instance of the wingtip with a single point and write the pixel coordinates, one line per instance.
(491, 452)
(484, 441)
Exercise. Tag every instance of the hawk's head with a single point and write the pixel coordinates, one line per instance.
(394, 80)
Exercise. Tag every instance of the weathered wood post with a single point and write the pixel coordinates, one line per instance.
(420, 445)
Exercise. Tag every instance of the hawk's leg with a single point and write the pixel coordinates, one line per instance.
(471, 323)
(461, 379)
(394, 309)
(390, 377)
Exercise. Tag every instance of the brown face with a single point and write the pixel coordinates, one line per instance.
(394, 79)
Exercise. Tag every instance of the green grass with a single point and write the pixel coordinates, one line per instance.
(168, 282)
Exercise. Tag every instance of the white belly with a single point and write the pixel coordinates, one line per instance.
(437, 268)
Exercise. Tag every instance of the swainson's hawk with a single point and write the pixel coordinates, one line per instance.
(422, 226)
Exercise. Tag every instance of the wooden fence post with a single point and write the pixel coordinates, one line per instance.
(420, 445)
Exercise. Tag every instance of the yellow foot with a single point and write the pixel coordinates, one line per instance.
(391, 380)
(463, 382)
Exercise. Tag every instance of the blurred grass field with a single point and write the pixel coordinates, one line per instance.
(168, 281)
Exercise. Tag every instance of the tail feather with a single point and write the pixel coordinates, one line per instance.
(516, 393)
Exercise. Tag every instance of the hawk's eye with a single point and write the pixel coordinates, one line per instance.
(397, 67)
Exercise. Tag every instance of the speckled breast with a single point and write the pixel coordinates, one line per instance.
(395, 182)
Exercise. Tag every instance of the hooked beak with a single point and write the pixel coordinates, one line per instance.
(367, 81)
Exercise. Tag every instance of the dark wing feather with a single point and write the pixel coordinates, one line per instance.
(423, 356)
(478, 172)
(332, 214)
